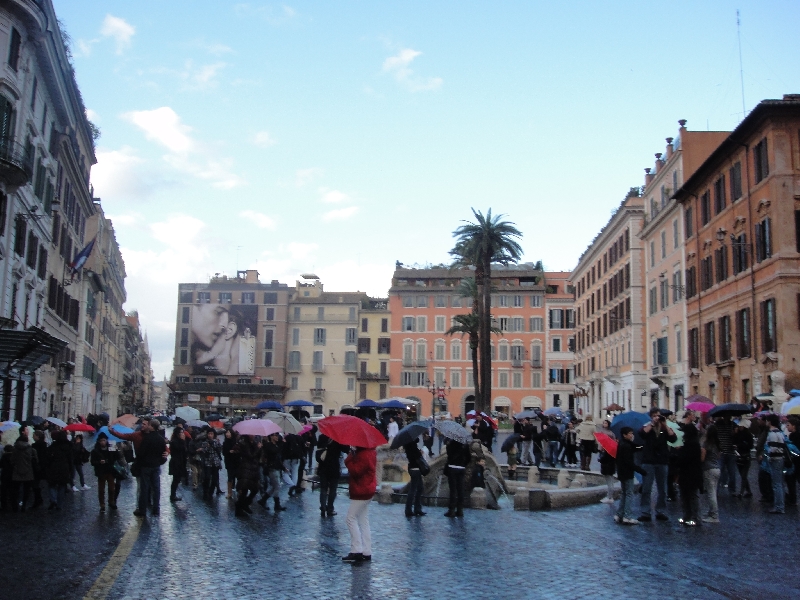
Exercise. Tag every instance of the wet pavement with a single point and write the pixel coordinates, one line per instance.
(197, 549)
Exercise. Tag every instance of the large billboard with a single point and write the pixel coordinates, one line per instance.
(223, 339)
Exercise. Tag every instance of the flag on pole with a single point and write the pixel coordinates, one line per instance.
(81, 257)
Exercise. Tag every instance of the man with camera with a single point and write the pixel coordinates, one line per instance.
(655, 461)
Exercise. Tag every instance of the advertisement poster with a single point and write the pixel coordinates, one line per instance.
(223, 339)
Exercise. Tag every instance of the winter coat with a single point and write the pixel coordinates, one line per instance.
(230, 457)
(150, 452)
(41, 454)
(59, 462)
(626, 466)
(608, 464)
(25, 461)
(362, 466)
(329, 467)
(690, 474)
(249, 457)
(293, 448)
(586, 431)
(211, 453)
(656, 450)
(458, 454)
(413, 454)
(80, 454)
(271, 456)
(177, 457)
(552, 434)
(110, 457)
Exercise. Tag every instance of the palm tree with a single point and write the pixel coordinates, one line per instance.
(489, 240)
(469, 325)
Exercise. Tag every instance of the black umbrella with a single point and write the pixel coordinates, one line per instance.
(162, 419)
(36, 420)
(730, 410)
(527, 414)
(665, 412)
(410, 433)
(214, 417)
(510, 441)
(179, 421)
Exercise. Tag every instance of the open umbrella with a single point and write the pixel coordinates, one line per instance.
(554, 411)
(790, 404)
(730, 410)
(368, 404)
(285, 421)
(196, 423)
(351, 431)
(394, 404)
(213, 417)
(56, 421)
(678, 432)
(527, 414)
(6, 425)
(634, 420)
(78, 427)
(510, 441)
(111, 436)
(269, 405)
(699, 406)
(794, 410)
(131, 420)
(794, 393)
(763, 413)
(299, 403)
(306, 429)
(36, 420)
(187, 413)
(613, 407)
(410, 433)
(454, 431)
(665, 412)
(607, 443)
(262, 427)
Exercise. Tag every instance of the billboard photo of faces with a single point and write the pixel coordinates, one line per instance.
(223, 339)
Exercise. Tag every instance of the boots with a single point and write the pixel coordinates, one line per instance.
(278, 506)
(230, 490)
(459, 512)
(263, 502)
(450, 512)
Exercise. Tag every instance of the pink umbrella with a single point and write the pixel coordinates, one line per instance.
(262, 427)
(699, 406)
(306, 429)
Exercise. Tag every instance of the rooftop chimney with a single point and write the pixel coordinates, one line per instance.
(648, 177)
(670, 149)
(682, 123)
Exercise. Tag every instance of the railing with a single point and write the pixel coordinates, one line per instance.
(372, 377)
(293, 368)
(407, 362)
(350, 369)
(16, 164)
(317, 368)
(516, 362)
(317, 393)
(536, 363)
(421, 362)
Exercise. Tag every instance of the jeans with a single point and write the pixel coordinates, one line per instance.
(527, 453)
(776, 471)
(103, 481)
(744, 469)
(290, 474)
(272, 483)
(455, 481)
(691, 503)
(657, 473)
(150, 486)
(711, 481)
(327, 492)
(210, 480)
(358, 524)
(77, 468)
(625, 510)
(25, 487)
(414, 497)
(173, 489)
(727, 465)
(57, 493)
(552, 452)
(570, 455)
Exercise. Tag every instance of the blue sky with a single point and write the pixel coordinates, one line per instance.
(340, 137)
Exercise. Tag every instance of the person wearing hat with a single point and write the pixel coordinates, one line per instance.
(103, 458)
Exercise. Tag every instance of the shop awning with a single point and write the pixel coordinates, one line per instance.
(22, 352)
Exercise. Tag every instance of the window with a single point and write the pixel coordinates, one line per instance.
(536, 379)
(676, 286)
(556, 344)
(652, 254)
(364, 325)
(318, 365)
(769, 341)
(294, 383)
(721, 260)
(319, 336)
(270, 297)
(267, 359)
(244, 380)
(719, 195)
(455, 379)
(691, 282)
(653, 301)
(739, 254)
(439, 351)
(225, 297)
(735, 177)
(688, 225)
(536, 301)
(270, 314)
(422, 354)
(350, 336)
(678, 346)
(760, 160)
(184, 337)
(441, 301)
(502, 380)
(222, 380)
(556, 318)
(296, 313)
(198, 379)
(663, 244)
(269, 339)
(295, 336)
(320, 313)
(571, 344)
(705, 208)
(422, 301)
(350, 361)
(13, 51)
(185, 314)
(440, 323)
(763, 240)
(710, 342)
(675, 240)
(455, 301)
(248, 297)
(536, 355)
(724, 338)
(294, 361)
(384, 345)
(384, 325)
(408, 301)
(517, 324)
(517, 354)
(186, 297)
(743, 349)
(503, 301)
(364, 345)
(422, 324)
(421, 379)
(664, 293)
(455, 351)
(406, 378)
(351, 313)
(351, 384)
(518, 301)
(503, 322)
(706, 273)
(662, 351)
(204, 297)
(409, 324)
(184, 360)
(537, 324)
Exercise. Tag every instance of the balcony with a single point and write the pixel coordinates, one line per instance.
(350, 368)
(317, 393)
(293, 368)
(536, 363)
(422, 362)
(16, 165)
(407, 362)
(516, 362)
(373, 377)
(318, 368)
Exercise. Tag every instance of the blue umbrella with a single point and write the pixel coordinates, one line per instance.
(794, 393)
(634, 420)
(410, 433)
(555, 411)
(299, 403)
(269, 405)
(393, 404)
(111, 436)
(369, 404)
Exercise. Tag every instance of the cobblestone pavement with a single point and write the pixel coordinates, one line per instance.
(198, 549)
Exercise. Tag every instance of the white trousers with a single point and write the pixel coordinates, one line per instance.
(358, 524)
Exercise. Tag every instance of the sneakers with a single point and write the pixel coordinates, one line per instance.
(74, 489)
(607, 501)
(630, 521)
(661, 517)
(691, 523)
(102, 508)
(618, 519)
(710, 520)
(85, 487)
(645, 519)
(139, 513)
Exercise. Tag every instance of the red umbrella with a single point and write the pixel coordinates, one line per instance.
(351, 431)
(126, 421)
(79, 427)
(608, 444)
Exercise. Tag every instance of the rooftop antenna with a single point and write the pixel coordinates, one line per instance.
(741, 68)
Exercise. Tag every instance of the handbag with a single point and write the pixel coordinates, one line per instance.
(423, 466)
(136, 468)
(120, 472)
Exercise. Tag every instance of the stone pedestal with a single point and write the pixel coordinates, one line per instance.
(385, 494)
(579, 481)
(477, 499)
(533, 475)
(563, 478)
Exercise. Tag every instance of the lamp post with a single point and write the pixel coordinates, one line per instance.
(439, 394)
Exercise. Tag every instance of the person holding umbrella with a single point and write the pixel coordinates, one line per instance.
(247, 473)
(272, 467)
(743, 444)
(656, 435)
(328, 470)
(458, 457)
(361, 463)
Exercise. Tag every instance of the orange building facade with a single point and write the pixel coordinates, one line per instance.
(742, 235)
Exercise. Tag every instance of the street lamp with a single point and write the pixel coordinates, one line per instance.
(439, 393)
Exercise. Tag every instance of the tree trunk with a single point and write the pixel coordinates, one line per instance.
(473, 346)
(485, 335)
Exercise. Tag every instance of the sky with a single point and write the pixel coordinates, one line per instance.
(339, 137)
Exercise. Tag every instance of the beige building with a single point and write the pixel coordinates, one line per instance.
(322, 363)
(663, 240)
(560, 338)
(374, 345)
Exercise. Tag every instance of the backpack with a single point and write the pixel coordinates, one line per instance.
(294, 447)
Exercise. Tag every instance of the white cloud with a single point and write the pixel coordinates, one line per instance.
(399, 67)
(84, 47)
(122, 175)
(92, 116)
(259, 219)
(126, 220)
(272, 15)
(219, 49)
(333, 196)
(264, 139)
(164, 126)
(299, 250)
(340, 214)
(119, 29)
(304, 176)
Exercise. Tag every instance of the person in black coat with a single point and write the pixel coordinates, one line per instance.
(248, 465)
(458, 457)
(626, 467)
(328, 457)
(690, 473)
(743, 444)
(6, 478)
(179, 456)
(103, 460)
(231, 459)
(41, 451)
(414, 492)
(59, 468)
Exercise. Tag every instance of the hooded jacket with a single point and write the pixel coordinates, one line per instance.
(25, 462)
(362, 465)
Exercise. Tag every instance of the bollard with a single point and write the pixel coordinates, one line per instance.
(563, 478)
(385, 494)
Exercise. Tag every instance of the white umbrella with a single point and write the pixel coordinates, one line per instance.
(187, 413)
(56, 421)
(285, 421)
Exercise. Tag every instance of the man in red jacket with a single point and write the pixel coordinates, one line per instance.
(361, 464)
